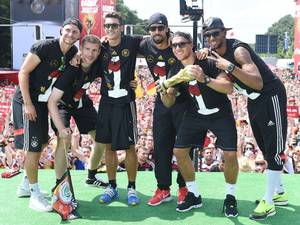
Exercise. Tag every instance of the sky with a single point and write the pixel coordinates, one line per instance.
(246, 17)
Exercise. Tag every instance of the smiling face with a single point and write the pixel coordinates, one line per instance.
(158, 33)
(89, 52)
(113, 28)
(70, 34)
(182, 48)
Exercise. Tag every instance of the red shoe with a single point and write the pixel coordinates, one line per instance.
(182, 192)
(10, 173)
(159, 197)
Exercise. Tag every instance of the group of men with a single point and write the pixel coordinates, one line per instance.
(182, 114)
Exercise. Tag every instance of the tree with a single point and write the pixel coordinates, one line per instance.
(5, 35)
(130, 17)
(285, 24)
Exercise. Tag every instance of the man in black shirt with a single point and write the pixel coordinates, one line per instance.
(266, 106)
(69, 98)
(211, 111)
(116, 124)
(160, 58)
(41, 68)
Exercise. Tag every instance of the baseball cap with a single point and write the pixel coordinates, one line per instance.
(214, 23)
(158, 18)
(73, 21)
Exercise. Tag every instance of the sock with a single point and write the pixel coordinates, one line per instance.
(230, 189)
(279, 189)
(273, 178)
(131, 184)
(34, 189)
(113, 183)
(25, 181)
(192, 187)
(91, 174)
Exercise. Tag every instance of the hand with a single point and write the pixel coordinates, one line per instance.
(65, 133)
(104, 39)
(203, 53)
(75, 61)
(196, 72)
(220, 62)
(133, 84)
(29, 111)
(160, 87)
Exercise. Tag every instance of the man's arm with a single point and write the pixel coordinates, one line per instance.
(248, 74)
(220, 84)
(55, 96)
(30, 63)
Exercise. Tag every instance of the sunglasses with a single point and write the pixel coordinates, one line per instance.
(259, 164)
(159, 28)
(111, 25)
(180, 44)
(249, 148)
(214, 34)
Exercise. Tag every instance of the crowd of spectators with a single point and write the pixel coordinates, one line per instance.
(208, 159)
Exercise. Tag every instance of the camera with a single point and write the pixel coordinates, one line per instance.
(190, 8)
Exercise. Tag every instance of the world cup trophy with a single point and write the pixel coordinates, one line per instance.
(181, 77)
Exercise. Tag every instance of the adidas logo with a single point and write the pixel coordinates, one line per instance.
(271, 123)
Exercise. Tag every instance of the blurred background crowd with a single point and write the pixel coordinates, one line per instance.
(208, 159)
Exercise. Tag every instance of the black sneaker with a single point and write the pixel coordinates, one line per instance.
(230, 206)
(96, 183)
(190, 201)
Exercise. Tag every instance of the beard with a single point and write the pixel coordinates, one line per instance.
(158, 39)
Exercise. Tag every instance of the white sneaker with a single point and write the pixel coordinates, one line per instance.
(24, 191)
(40, 203)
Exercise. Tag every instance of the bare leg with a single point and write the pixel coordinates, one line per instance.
(60, 156)
(185, 163)
(131, 163)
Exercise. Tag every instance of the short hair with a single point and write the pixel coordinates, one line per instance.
(115, 15)
(185, 35)
(91, 39)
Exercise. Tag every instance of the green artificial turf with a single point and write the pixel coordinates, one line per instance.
(15, 211)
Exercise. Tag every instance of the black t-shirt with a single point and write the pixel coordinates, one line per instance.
(208, 103)
(74, 82)
(159, 61)
(53, 63)
(119, 68)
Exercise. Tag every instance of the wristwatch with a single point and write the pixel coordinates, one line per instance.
(230, 68)
(207, 79)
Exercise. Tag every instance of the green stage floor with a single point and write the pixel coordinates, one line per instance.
(15, 211)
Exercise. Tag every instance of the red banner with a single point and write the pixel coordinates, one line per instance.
(91, 14)
(297, 39)
(293, 111)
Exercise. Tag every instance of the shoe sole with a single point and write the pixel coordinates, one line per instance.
(188, 209)
(262, 218)
(40, 210)
(230, 215)
(285, 203)
(28, 195)
(168, 199)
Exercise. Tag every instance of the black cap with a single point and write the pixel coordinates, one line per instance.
(214, 23)
(73, 21)
(158, 18)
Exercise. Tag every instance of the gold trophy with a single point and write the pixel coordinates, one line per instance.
(180, 77)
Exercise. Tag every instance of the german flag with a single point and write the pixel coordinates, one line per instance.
(151, 90)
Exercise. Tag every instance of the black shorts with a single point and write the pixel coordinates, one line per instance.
(116, 124)
(85, 118)
(193, 127)
(30, 135)
(268, 119)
